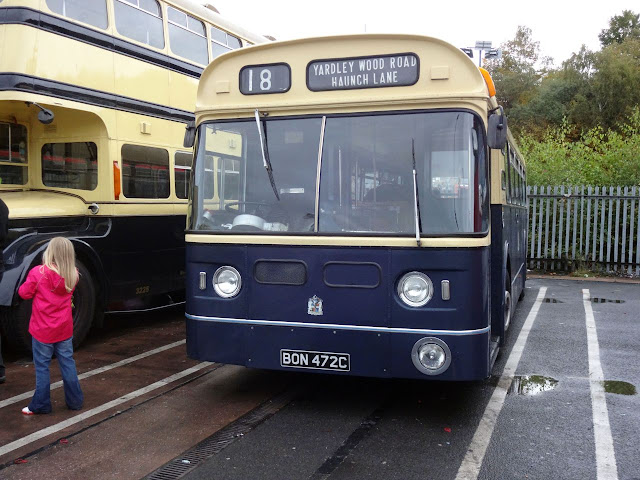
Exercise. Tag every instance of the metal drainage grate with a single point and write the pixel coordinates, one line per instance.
(606, 300)
(552, 300)
(183, 464)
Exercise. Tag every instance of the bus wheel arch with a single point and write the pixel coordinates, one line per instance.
(15, 319)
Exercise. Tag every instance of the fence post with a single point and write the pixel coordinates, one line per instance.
(638, 241)
(602, 217)
(624, 229)
(560, 224)
(615, 227)
(546, 229)
(631, 219)
(532, 235)
(553, 228)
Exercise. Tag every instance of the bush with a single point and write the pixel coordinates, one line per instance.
(595, 157)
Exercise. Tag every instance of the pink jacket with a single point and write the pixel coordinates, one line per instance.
(51, 319)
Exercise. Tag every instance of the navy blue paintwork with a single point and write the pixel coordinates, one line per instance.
(130, 259)
(508, 256)
(373, 353)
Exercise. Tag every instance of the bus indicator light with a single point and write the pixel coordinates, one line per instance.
(117, 187)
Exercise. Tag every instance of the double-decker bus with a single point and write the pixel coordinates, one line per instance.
(357, 206)
(94, 98)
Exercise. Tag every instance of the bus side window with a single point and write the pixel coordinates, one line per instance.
(509, 173)
(222, 42)
(233, 42)
(70, 165)
(145, 172)
(505, 172)
(140, 20)
(187, 36)
(182, 172)
(229, 182)
(93, 12)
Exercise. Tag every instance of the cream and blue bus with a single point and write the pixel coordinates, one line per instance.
(357, 206)
(94, 98)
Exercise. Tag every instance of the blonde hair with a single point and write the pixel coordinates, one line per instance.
(61, 258)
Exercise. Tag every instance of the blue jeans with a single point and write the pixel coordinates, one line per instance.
(42, 353)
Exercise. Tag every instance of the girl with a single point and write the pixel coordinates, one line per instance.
(51, 286)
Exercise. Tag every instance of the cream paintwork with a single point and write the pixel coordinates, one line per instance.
(44, 54)
(464, 82)
(33, 204)
(448, 79)
(444, 242)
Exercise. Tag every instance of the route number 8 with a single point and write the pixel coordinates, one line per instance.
(265, 79)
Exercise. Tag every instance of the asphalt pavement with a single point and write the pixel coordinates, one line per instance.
(354, 428)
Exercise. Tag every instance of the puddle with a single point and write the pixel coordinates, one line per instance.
(606, 300)
(531, 384)
(621, 388)
(552, 300)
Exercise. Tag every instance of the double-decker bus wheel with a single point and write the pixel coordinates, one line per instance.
(83, 306)
(16, 319)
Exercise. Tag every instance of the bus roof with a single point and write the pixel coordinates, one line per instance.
(211, 16)
(441, 73)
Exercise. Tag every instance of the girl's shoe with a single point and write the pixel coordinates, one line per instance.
(26, 411)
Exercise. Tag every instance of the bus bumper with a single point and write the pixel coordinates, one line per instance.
(371, 353)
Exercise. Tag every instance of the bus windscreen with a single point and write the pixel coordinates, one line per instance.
(365, 175)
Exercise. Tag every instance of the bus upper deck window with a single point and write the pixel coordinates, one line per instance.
(222, 42)
(93, 12)
(234, 42)
(187, 36)
(140, 20)
(13, 154)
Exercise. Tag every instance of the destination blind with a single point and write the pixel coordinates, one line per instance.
(397, 70)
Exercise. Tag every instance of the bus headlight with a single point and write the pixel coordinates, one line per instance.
(415, 289)
(227, 282)
(431, 356)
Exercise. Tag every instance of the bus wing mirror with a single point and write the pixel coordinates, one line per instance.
(497, 131)
(189, 134)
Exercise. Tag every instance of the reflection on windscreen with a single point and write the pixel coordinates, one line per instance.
(366, 177)
(243, 199)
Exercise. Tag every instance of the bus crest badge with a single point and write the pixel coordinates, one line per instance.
(314, 307)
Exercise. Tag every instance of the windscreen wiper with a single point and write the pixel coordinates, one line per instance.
(416, 200)
(265, 155)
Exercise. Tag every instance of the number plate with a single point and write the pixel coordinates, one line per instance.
(315, 360)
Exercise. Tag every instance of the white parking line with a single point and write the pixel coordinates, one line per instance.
(605, 454)
(10, 447)
(126, 361)
(472, 462)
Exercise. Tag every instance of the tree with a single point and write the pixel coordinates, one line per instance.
(517, 75)
(616, 81)
(621, 27)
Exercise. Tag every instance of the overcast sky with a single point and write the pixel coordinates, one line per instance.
(560, 26)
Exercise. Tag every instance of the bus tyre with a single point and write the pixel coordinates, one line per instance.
(508, 303)
(16, 319)
(16, 325)
(83, 305)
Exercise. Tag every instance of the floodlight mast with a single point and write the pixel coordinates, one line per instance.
(482, 45)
